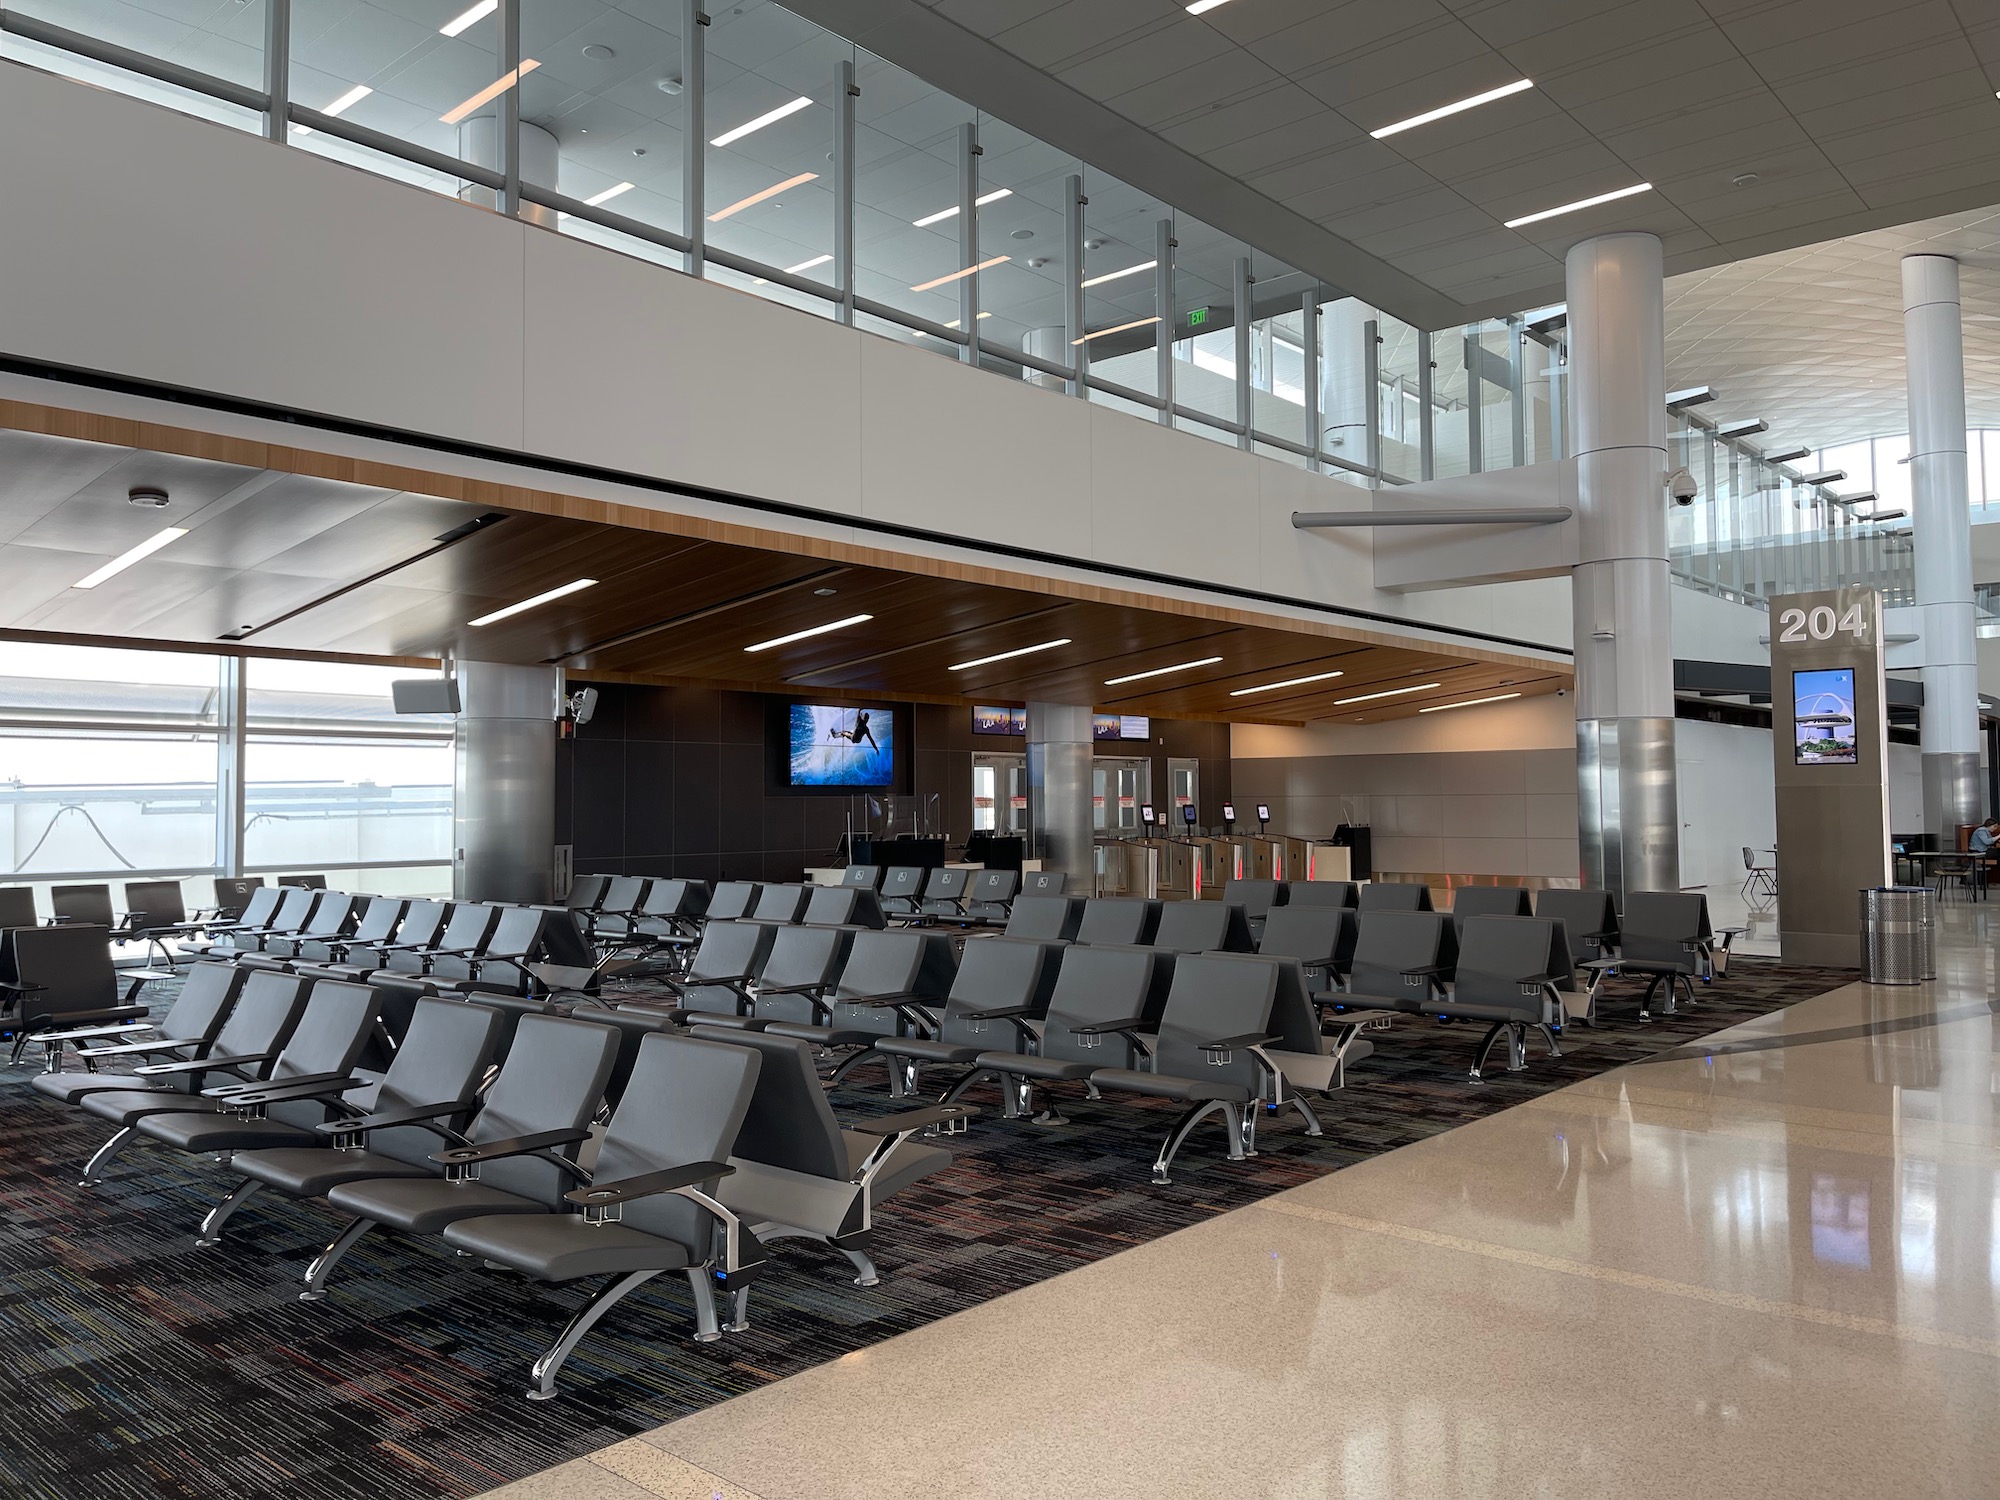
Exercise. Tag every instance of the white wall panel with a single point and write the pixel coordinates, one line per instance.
(1172, 502)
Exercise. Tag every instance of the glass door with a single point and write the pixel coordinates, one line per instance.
(1000, 794)
(1118, 787)
(1183, 790)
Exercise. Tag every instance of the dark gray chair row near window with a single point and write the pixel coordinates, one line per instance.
(54, 979)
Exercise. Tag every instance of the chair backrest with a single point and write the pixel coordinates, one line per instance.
(862, 877)
(233, 893)
(295, 907)
(199, 1009)
(1749, 858)
(1389, 943)
(633, 1025)
(733, 899)
(160, 901)
(993, 887)
(83, 903)
(676, 898)
(1213, 996)
(999, 974)
(833, 905)
(781, 903)
(553, 1078)
(266, 1011)
(1499, 958)
(1045, 919)
(1324, 893)
(262, 905)
(804, 955)
(790, 1125)
(1044, 882)
(586, 892)
(1315, 936)
(1096, 985)
(947, 884)
(898, 962)
(901, 886)
(1488, 901)
(1256, 897)
(686, 1103)
(69, 966)
(1293, 1021)
(1203, 927)
(304, 882)
(470, 926)
(423, 922)
(338, 1019)
(622, 893)
(332, 915)
(518, 933)
(1664, 927)
(17, 906)
(1584, 915)
(378, 919)
(1122, 920)
(1380, 896)
(728, 951)
(444, 1055)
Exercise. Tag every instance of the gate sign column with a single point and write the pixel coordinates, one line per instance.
(1830, 741)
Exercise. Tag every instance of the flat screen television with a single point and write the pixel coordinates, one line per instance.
(1120, 727)
(1823, 718)
(840, 747)
(999, 720)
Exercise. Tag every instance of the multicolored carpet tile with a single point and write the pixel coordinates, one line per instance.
(136, 1365)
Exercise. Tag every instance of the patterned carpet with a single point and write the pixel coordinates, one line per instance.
(134, 1365)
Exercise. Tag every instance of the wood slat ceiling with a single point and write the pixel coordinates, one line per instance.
(310, 564)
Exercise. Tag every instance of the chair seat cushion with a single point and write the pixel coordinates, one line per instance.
(425, 1205)
(205, 1130)
(926, 1050)
(70, 1087)
(1167, 1086)
(824, 1036)
(561, 1247)
(1529, 1010)
(129, 1106)
(314, 1171)
(1023, 1066)
(1412, 1004)
(739, 1023)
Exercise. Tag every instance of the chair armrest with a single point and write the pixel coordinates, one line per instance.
(80, 1033)
(910, 1121)
(21, 989)
(132, 1049)
(394, 1117)
(1427, 970)
(792, 989)
(1103, 1028)
(519, 1145)
(1003, 1013)
(309, 1086)
(1230, 1044)
(205, 1064)
(646, 1185)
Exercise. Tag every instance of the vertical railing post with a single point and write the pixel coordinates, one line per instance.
(1243, 406)
(277, 68)
(1163, 306)
(1371, 410)
(508, 124)
(1515, 364)
(1075, 344)
(844, 95)
(1309, 323)
(968, 240)
(1426, 408)
(694, 134)
(1475, 403)
(229, 755)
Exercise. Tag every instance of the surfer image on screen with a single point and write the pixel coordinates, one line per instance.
(857, 734)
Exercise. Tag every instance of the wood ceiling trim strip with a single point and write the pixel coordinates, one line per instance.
(128, 433)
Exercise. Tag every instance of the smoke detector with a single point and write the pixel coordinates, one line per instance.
(670, 85)
(149, 495)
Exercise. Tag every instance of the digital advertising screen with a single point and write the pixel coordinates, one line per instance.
(999, 720)
(1120, 727)
(1823, 717)
(842, 746)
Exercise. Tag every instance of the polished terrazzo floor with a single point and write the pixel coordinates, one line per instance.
(1763, 1265)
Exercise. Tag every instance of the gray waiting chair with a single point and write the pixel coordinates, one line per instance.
(902, 892)
(732, 901)
(1203, 927)
(1378, 895)
(1045, 919)
(1488, 901)
(780, 903)
(1324, 893)
(862, 877)
(1511, 972)
(649, 1206)
(534, 1115)
(374, 926)
(1403, 960)
(63, 976)
(254, 917)
(1318, 938)
(944, 895)
(729, 957)
(17, 906)
(190, 1024)
(1589, 920)
(86, 904)
(388, 1128)
(587, 892)
(885, 973)
(1123, 921)
(989, 897)
(1256, 897)
(1044, 882)
(1664, 936)
(997, 977)
(801, 965)
(623, 899)
(333, 917)
(845, 906)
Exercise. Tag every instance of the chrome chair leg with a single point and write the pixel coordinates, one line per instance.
(93, 1171)
(607, 1296)
(210, 1232)
(322, 1267)
(1192, 1117)
(863, 1265)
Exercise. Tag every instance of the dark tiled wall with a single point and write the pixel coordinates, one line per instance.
(675, 782)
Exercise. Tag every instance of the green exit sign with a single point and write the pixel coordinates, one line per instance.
(1198, 317)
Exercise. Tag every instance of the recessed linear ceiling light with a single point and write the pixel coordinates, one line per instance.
(1421, 687)
(341, 105)
(1271, 687)
(1452, 109)
(1200, 6)
(802, 635)
(1786, 455)
(961, 275)
(755, 198)
(1144, 265)
(1438, 708)
(514, 609)
(987, 661)
(492, 91)
(466, 20)
(1742, 429)
(946, 213)
(1186, 666)
(125, 560)
(804, 265)
(616, 190)
(1121, 328)
(730, 137)
(1570, 208)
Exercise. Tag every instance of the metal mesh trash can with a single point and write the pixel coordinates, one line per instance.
(1899, 934)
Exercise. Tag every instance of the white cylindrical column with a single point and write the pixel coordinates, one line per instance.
(504, 782)
(1059, 767)
(1933, 342)
(1049, 344)
(1627, 807)
(479, 143)
(1343, 378)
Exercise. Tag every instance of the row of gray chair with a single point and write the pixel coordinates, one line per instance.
(708, 1144)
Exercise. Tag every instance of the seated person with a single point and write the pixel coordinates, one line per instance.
(1985, 836)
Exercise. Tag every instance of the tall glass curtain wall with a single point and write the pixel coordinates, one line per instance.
(121, 765)
(748, 146)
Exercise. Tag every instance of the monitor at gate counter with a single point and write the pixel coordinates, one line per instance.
(1263, 812)
(1229, 812)
(1146, 813)
(1187, 813)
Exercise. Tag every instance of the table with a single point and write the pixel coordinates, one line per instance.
(1979, 864)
